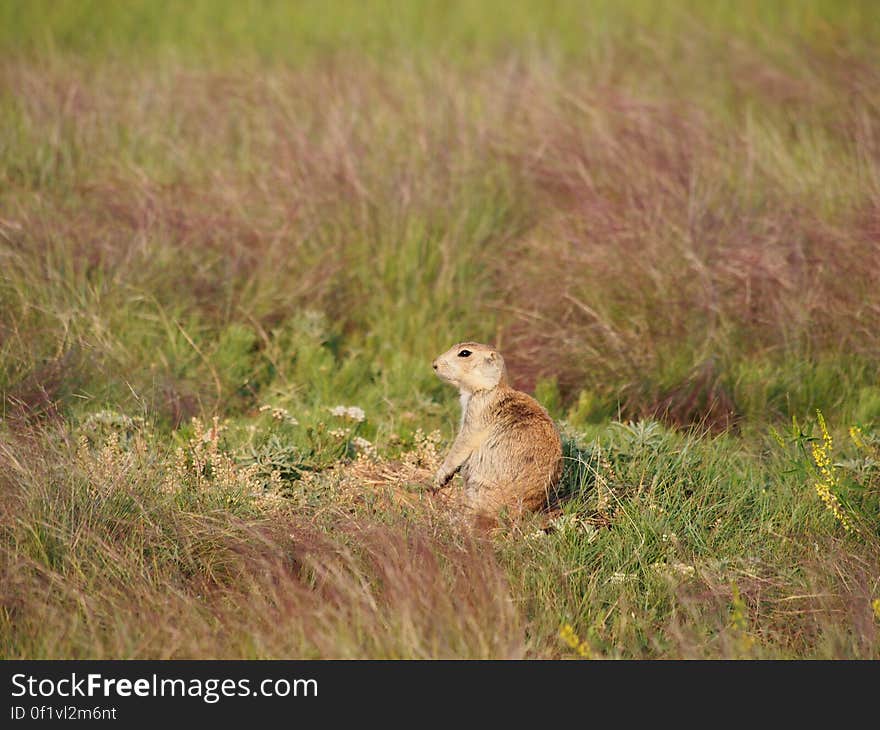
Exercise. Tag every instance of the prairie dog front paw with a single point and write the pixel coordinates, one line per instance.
(441, 478)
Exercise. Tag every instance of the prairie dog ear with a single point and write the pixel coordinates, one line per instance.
(491, 363)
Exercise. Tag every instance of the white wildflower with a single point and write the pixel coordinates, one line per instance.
(680, 569)
(364, 446)
(619, 577)
(353, 412)
(280, 414)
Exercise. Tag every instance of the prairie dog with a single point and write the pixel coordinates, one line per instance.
(507, 448)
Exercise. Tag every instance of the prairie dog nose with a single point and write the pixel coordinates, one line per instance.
(434, 364)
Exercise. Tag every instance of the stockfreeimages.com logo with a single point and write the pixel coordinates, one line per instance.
(209, 690)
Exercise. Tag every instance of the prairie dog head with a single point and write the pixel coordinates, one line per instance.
(471, 367)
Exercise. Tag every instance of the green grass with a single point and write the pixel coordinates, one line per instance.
(219, 31)
(664, 214)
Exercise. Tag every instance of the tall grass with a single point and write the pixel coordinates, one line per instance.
(664, 214)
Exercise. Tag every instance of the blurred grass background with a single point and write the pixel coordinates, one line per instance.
(666, 215)
(217, 31)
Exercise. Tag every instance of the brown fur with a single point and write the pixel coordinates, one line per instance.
(508, 449)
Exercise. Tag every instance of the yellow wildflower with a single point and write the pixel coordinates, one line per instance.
(827, 476)
(570, 637)
(855, 433)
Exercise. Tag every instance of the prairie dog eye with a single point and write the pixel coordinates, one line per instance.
(464, 353)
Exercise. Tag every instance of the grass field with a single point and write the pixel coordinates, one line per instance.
(219, 224)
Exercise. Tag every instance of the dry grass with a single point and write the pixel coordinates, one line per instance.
(99, 563)
(669, 243)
